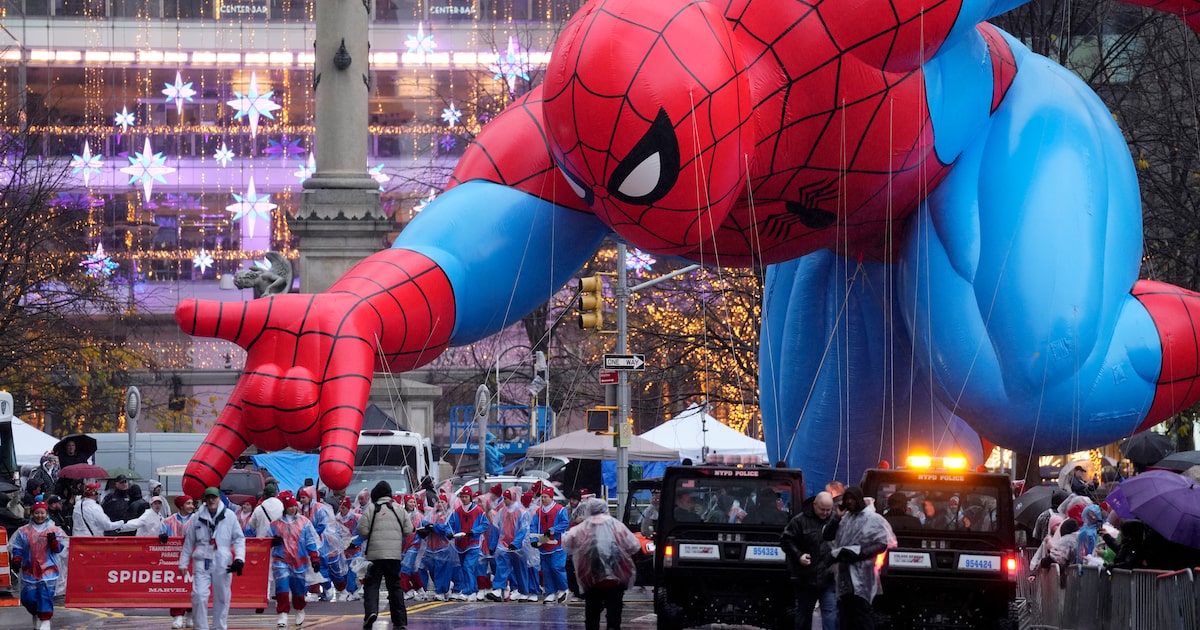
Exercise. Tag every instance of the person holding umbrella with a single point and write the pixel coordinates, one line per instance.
(70, 452)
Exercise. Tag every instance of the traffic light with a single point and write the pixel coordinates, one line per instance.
(591, 303)
(599, 419)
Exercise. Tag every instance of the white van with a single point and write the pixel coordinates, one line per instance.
(388, 447)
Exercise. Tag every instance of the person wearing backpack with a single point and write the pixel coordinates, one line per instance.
(383, 529)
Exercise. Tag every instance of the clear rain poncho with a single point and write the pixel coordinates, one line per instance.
(601, 548)
(858, 531)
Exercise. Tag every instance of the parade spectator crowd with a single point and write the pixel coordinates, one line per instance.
(506, 544)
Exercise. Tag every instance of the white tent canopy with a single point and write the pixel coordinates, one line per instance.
(30, 443)
(588, 445)
(691, 430)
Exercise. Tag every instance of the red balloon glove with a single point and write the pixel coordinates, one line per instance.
(310, 359)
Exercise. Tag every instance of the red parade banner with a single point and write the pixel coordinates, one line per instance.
(140, 572)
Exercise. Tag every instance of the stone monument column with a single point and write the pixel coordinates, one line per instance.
(340, 220)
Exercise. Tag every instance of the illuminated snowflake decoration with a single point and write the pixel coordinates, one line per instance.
(98, 264)
(203, 260)
(425, 202)
(251, 205)
(223, 156)
(420, 43)
(179, 92)
(378, 175)
(448, 142)
(147, 167)
(511, 65)
(252, 105)
(124, 120)
(451, 115)
(639, 261)
(87, 163)
(283, 148)
(306, 170)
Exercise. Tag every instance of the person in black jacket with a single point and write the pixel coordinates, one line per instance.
(810, 563)
(137, 504)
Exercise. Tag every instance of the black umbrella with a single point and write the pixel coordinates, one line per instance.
(1038, 499)
(1179, 462)
(1147, 447)
(85, 447)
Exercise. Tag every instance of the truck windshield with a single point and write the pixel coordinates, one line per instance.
(940, 506)
(759, 501)
(385, 455)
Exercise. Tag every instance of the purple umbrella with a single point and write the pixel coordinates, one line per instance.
(1166, 501)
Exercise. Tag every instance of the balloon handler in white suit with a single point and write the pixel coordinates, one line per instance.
(215, 547)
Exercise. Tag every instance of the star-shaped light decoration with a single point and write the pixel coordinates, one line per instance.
(512, 65)
(451, 115)
(420, 43)
(251, 205)
(124, 120)
(98, 264)
(284, 148)
(223, 156)
(203, 260)
(147, 167)
(87, 163)
(252, 104)
(306, 170)
(639, 261)
(448, 142)
(378, 175)
(425, 202)
(179, 92)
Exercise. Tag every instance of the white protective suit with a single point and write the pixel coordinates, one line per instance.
(90, 519)
(150, 522)
(211, 542)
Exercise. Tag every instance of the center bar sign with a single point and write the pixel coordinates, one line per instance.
(242, 9)
(140, 572)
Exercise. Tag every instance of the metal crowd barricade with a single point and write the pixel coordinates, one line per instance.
(1143, 585)
(1098, 599)
(1120, 603)
(1176, 600)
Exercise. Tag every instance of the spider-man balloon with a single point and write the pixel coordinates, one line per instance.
(952, 225)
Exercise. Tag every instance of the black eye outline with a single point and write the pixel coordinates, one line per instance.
(577, 186)
(659, 138)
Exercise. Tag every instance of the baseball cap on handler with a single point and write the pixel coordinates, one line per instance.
(211, 492)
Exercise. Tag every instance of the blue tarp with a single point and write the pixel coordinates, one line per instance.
(608, 472)
(289, 468)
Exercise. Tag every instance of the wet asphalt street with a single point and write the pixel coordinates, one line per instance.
(638, 615)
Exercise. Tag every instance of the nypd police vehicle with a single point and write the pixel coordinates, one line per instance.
(955, 564)
(717, 557)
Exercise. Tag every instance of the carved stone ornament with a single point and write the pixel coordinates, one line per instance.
(341, 59)
(266, 282)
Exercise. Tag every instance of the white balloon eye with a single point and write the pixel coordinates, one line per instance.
(650, 169)
(643, 179)
(575, 186)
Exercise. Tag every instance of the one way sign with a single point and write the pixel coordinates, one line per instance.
(626, 362)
